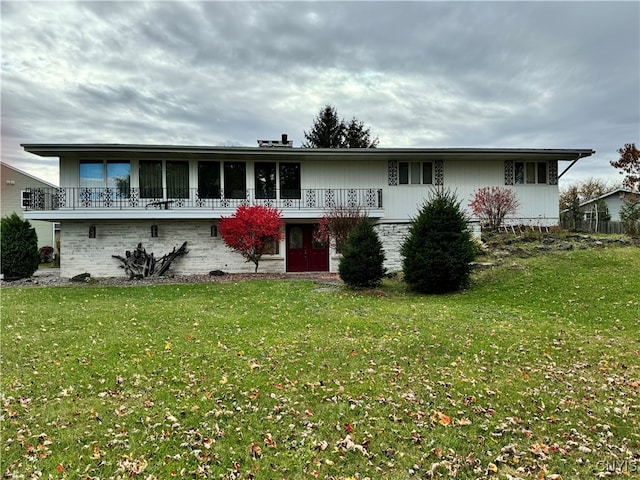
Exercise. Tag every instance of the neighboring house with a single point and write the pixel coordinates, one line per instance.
(17, 187)
(613, 200)
(112, 197)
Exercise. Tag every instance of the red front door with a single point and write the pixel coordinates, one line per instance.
(303, 254)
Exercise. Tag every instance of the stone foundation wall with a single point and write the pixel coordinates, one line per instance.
(392, 235)
(81, 254)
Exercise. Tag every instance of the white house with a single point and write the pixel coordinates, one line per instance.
(613, 200)
(15, 187)
(112, 197)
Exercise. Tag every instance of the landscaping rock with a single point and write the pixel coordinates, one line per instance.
(82, 277)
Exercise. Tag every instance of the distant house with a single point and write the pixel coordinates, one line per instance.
(613, 200)
(112, 197)
(17, 191)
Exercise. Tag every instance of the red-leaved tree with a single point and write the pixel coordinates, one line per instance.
(629, 163)
(251, 230)
(492, 204)
(336, 225)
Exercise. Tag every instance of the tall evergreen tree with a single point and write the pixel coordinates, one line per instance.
(439, 249)
(357, 136)
(329, 131)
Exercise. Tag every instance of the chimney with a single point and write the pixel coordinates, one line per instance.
(283, 142)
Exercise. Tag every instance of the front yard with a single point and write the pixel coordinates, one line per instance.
(534, 372)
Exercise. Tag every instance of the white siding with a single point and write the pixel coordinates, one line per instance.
(338, 174)
(539, 203)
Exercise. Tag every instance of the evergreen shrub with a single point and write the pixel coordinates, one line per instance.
(362, 262)
(439, 248)
(19, 243)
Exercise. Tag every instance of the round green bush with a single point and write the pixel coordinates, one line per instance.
(19, 243)
(362, 262)
(439, 248)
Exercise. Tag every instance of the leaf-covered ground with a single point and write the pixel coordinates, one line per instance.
(533, 372)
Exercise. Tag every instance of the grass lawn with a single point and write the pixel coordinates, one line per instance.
(533, 372)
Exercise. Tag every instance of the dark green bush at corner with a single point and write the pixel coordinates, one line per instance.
(439, 247)
(19, 243)
(361, 265)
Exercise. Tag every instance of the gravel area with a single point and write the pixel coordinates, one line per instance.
(44, 278)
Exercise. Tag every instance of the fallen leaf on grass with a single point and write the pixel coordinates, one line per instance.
(347, 444)
(441, 418)
(269, 441)
(255, 451)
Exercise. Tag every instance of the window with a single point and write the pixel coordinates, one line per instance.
(295, 238)
(151, 179)
(235, 180)
(271, 247)
(542, 172)
(26, 199)
(119, 178)
(177, 179)
(530, 173)
(265, 180)
(290, 181)
(415, 173)
(427, 173)
(96, 175)
(209, 179)
(92, 174)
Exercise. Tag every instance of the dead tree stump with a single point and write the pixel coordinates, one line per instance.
(140, 264)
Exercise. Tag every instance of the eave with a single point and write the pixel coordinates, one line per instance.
(130, 151)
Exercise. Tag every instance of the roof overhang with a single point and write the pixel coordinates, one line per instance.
(106, 151)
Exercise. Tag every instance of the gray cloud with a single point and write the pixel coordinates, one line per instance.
(420, 74)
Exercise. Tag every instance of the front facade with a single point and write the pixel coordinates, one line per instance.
(15, 188)
(112, 197)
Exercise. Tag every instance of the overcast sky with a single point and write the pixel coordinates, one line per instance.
(419, 74)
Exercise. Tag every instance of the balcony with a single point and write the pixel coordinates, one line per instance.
(79, 199)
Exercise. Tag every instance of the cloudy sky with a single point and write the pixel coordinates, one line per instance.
(419, 74)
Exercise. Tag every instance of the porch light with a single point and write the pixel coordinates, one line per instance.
(214, 230)
(154, 231)
(92, 231)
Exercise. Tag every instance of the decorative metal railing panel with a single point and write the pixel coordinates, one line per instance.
(84, 198)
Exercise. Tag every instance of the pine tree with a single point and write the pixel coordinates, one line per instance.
(357, 136)
(630, 215)
(329, 131)
(19, 244)
(439, 248)
(362, 262)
